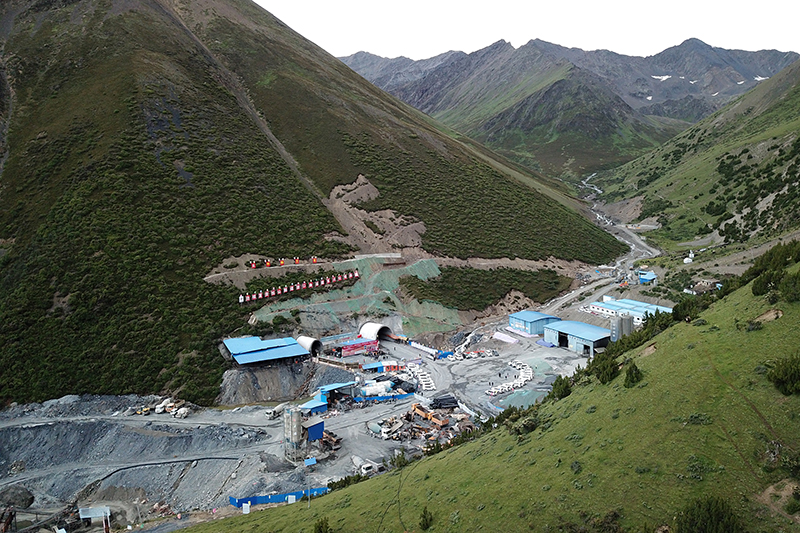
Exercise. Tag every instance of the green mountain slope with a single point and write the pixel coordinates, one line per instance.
(734, 174)
(537, 109)
(146, 141)
(575, 124)
(704, 421)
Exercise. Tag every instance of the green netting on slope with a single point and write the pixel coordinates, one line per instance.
(371, 295)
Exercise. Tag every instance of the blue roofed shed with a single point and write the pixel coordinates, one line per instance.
(373, 367)
(531, 322)
(579, 337)
(245, 350)
(315, 426)
(646, 276)
(314, 406)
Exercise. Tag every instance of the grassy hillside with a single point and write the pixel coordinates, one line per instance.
(703, 421)
(571, 126)
(122, 186)
(735, 172)
(148, 141)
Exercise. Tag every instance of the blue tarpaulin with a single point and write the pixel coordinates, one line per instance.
(276, 498)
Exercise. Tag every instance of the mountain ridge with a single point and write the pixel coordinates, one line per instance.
(674, 88)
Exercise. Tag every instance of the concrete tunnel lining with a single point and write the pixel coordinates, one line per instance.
(314, 346)
(374, 331)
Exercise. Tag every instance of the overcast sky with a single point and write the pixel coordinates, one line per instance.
(422, 29)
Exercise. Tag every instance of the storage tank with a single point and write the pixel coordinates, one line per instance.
(627, 324)
(616, 328)
(292, 426)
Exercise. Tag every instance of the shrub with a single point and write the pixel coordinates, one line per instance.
(604, 367)
(425, 519)
(789, 287)
(785, 375)
(632, 375)
(561, 388)
(709, 514)
(322, 526)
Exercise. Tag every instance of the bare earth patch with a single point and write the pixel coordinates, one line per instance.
(625, 210)
(649, 350)
(375, 232)
(777, 496)
(769, 316)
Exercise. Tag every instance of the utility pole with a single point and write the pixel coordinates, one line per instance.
(309, 463)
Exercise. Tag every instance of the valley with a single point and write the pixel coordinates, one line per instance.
(526, 288)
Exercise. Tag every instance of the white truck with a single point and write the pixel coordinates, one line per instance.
(274, 412)
(364, 467)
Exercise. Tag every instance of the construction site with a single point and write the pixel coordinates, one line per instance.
(367, 376)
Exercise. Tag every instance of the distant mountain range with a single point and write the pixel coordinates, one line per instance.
(568, 111)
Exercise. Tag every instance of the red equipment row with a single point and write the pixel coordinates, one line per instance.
(281, 262)
(322, 282)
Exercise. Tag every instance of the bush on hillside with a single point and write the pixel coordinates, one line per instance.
(709, 514)
(322, 526)
(767, 281)
(425, 519)
(789, 287)
(632, 375)
(561, 388)
(604, 367)
(785, 375)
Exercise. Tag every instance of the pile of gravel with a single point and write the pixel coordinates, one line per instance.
(17, 496)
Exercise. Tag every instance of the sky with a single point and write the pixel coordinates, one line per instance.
(422, 29)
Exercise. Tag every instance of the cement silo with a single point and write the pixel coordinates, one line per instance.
(627, 324)
(292, 432)
(616, 328)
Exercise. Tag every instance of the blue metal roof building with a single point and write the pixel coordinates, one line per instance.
(322, 392)
(646, 276)
(314, 406)
(638, 310)
(246, 350)
(531, 322)
(579, 337)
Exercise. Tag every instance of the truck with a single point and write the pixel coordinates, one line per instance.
(274, 412)
(364, 467)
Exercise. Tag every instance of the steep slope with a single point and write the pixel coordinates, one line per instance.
(704, 421)
(733, 175)
(148, 140)
(576, 123)
(679, 86)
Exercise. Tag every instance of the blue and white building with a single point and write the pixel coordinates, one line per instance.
(610, 308)
(579, 337)
(248, 350)
(530, 322)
